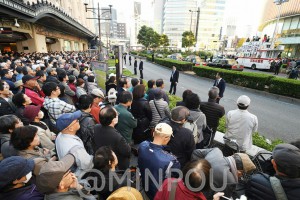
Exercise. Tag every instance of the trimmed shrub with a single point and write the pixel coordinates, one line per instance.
(180, 65)
(244, 79)
(286, 87)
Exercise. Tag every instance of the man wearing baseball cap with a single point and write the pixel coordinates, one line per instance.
(32, 89)
(98, 98)
(15, 175)
(56, 181)
(154, 158)
(286, 182)
(241, 124)
(68, 125)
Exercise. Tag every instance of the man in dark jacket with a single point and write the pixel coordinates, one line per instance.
(126, 122)
(221, 84)
(52, 75)
(87, 124)
(174, 80)
(286, 162)
(160, 85)
(211, 109)
(135, 66)
(6, 105)
(141, 68)
(107, 135)
(182, 144)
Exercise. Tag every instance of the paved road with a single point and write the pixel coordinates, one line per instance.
(276, 119)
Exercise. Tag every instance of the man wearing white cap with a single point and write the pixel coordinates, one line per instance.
(155, 159)
(240, 124)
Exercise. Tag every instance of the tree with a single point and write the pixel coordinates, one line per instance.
(164, 40)
(146, 36)
(188, 39)
(155, 40)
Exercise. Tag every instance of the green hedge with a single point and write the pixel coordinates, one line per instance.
(286, 87)
(269, 83)
(244, 79)
(180, 65)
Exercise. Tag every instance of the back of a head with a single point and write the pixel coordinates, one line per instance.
(125, 97)
(106, 115)
(196, 175)
(192, 101)
(91, 79)
(159, 82)
(134, 82)
(61, 75)
(72, 79)
(85, 101)
(185, 94)
(49, 87)
(138, 91)
(151, 83)
(102, 159)
(158, 94)
(179, 113)
(213, 92)
(287, 159)
(123, 82)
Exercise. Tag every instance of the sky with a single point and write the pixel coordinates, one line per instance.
(245, 12)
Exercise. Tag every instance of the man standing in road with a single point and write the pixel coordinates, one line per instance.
(212, 110)
(141, 68)
(174, 80)
(277, 66)
(129, 60)
(221, 84)
(241, 124)
(135, 66)
(125, 59)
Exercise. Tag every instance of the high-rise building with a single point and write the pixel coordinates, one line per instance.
(210, 23)
(288, 28)
(180, 16)
(177, 19)
(109, 22)
(158, 8)
(121, 31)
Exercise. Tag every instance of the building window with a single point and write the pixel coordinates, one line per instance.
(294, 23)
(286, 24)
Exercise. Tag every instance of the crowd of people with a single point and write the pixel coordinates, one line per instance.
(63, 137)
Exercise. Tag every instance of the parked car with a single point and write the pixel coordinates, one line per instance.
(175, 56)
(159, 55)
(214, 58)
(193, 59)
(226, 64)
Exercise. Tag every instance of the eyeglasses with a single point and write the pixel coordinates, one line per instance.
(5, 86)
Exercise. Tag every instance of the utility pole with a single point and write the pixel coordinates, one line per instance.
(99, 28)
(198, 16)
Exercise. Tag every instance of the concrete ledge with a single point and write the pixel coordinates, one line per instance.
(252, 152)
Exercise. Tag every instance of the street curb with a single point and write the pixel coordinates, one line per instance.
(267, 94)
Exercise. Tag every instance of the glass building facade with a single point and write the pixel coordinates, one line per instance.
(288, 28)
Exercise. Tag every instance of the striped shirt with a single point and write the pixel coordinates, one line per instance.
(162, 108)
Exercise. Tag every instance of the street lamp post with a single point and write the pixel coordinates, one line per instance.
(197, 24)
(98, 18)
(278, 3)
(191, 20)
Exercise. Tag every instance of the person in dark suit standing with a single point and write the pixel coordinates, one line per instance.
(221, 84)
(141, 68)
(174, 80)
(135, 66)
(125, 59)
(129, 60)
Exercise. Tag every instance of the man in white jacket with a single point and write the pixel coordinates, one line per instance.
(241, 124)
